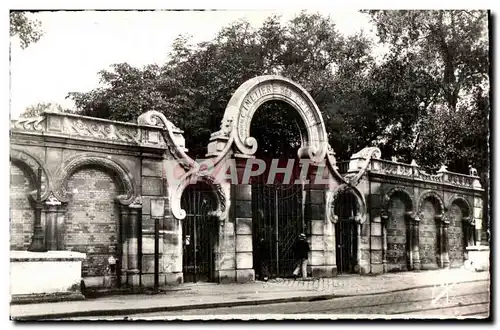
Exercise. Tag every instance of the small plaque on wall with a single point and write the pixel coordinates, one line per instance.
(157, 207)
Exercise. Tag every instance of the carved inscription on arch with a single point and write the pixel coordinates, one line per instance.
(253, 93)
(258, 95)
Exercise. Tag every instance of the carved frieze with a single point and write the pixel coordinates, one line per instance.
(28, 124)
(88, 128)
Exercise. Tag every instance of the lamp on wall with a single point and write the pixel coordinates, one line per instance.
(157, 213)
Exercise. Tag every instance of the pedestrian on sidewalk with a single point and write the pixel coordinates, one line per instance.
(262, 259)
(301, 250)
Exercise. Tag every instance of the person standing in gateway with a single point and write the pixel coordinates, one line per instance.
(301, 250)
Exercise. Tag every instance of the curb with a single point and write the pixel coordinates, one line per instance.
(232, 303)
(128, 311)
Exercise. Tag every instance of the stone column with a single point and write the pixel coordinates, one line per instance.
(385, 218)
(478, 219)
(446, 248)
(171, 247)
(320, 232)
(358, 247)
(124, 223)
(330, 250)
(243, 221)
(442, 225)
(51, 226)
(60, 230)
(468, 227)
(414, 232)
(225, 263)
(52, 206)
(133, 245)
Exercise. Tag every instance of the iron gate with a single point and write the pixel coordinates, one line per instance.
(346, 234)
(199, 232)
(278, 219)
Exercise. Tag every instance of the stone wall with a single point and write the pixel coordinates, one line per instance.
(92, 222)
(428, 237)
(456, 237)
(113, 171)
(377, 230)
(21, 209)
(397, 244)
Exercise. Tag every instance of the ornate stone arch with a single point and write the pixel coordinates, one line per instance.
(220, 191)
(72, 164)
(431, 193)
(398, 190)
(235, 127)
(458, 197)
(31, 164)
(360, 217)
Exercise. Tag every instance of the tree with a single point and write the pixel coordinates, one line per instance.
(28, 30)
(403, 104)
(39, 108)
(451, 49)
(195, 85)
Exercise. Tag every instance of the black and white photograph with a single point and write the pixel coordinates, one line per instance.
(229, 164)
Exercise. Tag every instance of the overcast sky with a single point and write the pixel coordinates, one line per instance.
(76, 45)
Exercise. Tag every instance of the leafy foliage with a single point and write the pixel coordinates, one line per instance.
(28, 30)
(37, 109)
(450, 50)
(427, 99)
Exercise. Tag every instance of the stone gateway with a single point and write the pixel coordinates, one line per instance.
(102, 182)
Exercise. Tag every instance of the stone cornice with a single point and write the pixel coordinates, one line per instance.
(69, 127)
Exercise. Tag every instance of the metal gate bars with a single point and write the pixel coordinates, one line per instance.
(199, 232)
(346, 235)
(277, 221)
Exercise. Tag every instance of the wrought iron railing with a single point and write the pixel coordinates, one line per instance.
(343, 166)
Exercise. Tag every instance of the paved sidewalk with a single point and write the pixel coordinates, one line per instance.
(211, 295)
(349, 285)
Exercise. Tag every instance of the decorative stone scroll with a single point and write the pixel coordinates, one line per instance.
(52, 200)
(359, 217)
(245, 102)
(360, 162)
(221, 192)
(174, 138)
(78, 161)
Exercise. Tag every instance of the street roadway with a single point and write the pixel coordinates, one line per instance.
(462, 300)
